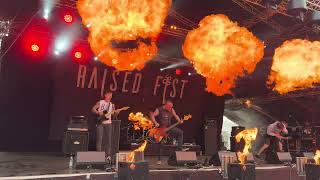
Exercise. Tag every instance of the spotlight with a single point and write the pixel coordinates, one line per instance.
(46, 14)
(178, 71)
(161, 69)
(78, 55)
(189, 73)
(56, 52)
(95, 58)
(68, 18)
(35, 48)
(47, 6)
(61, 45)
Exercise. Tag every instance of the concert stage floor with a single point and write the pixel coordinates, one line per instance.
(55, 166)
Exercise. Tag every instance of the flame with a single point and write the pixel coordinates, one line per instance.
(221, 51)
(139, 149)
(248, 135)
(116, 21)
(140, 121)
(317, 157)
(295, 66)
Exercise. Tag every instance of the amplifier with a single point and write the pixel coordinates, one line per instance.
(74, 141)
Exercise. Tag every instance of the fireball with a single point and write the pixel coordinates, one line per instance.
(222, 51)
(317, 157)
(296, 66)
(248, 135)
(140, 121)
(114, 22)
(139, 149)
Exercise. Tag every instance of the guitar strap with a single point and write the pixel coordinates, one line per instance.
(108, 108)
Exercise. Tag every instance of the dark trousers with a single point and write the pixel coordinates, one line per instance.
(104, 138)
(177, 134)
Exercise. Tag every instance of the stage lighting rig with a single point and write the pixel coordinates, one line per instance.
(4, 31)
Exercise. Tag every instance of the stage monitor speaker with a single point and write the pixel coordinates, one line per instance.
(210, 138)
(86, 159)
(250, 158)
(309, 156)
(217, 158)
(284, 156)
(74, 141)
(181, 158)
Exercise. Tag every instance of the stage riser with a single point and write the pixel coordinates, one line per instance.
(269, 174)
(166, 150)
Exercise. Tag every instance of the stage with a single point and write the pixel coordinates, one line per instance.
(55, 166)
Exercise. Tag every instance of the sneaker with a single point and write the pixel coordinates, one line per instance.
(184, 149)
(158, 162)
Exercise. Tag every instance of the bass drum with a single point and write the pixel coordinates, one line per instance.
(134, 136)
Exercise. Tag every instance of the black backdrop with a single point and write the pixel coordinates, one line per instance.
(38, 97)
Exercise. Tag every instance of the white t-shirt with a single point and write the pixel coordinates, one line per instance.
(273, 129)
(105, 107)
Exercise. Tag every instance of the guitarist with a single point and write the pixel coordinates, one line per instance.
(164, 115)
(104, 127)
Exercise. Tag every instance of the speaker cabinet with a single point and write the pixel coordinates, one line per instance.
(133, 171)
(309, 155)
(74, 141)
(237, 171)
(284, 156)
(86, 159)
(181, 158)
(210, 138)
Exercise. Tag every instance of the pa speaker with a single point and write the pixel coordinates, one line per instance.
(90, 159)
(309, 156)
(181, 158)
(74, 141)
(284, 156)
(217, 158)
(210, 138)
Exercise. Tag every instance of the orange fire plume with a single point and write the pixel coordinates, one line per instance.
(295, 66)
(221, 51)
(120, 21)
(248, 135)
(139, 149)
(317, 157)
(140, 121)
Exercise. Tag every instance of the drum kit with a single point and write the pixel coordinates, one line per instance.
(136, 136)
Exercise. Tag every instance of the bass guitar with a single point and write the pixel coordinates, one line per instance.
(159, 133)
(106, 113)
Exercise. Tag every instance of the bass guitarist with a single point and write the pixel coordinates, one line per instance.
(104, 127)
(164, 115)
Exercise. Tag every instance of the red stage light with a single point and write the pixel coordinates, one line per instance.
(35, 48)
(178, 71)
(78, 55)
(68, 18)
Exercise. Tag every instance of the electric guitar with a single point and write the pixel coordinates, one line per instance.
(159, 133)
(106, 113)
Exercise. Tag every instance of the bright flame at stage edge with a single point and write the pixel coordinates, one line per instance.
(317, 157)
(248, 136)
(140, 149)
